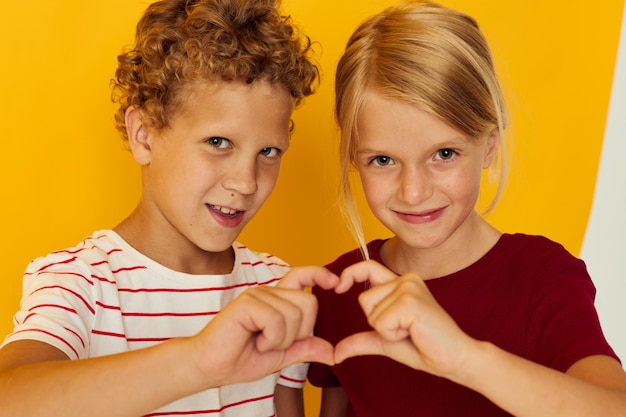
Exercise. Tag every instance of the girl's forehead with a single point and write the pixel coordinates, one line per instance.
(383, 120)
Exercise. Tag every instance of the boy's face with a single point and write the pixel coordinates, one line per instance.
(212, 169)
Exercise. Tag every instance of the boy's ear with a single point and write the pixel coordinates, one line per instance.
(138, 136)
(493, 144)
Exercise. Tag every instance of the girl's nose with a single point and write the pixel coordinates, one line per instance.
(415, 186)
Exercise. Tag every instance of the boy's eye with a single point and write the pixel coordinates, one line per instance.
(445, 154)
(270, 152)
(218, 142)
(382, 160)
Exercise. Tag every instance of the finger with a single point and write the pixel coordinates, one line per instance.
(239, 323)
(371, 271)
(392, 308)
(256, 319)
(298, 307)
(374, 296)
(370, 343)
(302, 277)
(287, 315)
(393, 317)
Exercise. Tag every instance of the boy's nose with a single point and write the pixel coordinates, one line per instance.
(242, 178)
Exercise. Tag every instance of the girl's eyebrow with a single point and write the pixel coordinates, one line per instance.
(369, 151)
(451, 142)
(366, 150)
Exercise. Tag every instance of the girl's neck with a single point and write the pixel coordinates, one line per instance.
(456, 253)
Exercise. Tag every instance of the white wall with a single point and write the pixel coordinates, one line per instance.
(604, 246)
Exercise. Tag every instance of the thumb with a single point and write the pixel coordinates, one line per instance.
(371, 343)
(359, 344)
(310, 349)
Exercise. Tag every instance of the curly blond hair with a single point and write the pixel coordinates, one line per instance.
(179, 42)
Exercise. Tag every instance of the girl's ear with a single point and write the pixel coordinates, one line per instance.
(138, 136)
(493, 144)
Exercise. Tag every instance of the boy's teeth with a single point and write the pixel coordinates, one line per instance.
(225, 210)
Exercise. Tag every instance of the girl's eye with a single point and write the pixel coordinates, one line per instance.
(381, 160)
(271, 152)
(445, 154)
(218, 142)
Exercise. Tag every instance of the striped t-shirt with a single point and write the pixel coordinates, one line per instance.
(103, 297)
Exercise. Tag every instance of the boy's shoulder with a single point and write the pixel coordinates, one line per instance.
(107, 257)
(265, 267)
(104, 246)
(93, 250)
(247, 254)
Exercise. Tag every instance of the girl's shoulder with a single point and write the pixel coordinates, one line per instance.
(521, 244)
(533, 255)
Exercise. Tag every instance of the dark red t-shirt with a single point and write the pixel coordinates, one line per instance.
(527, 295)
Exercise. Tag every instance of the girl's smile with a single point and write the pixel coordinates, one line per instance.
(422, 217)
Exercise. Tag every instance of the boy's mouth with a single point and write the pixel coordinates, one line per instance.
(224, 211)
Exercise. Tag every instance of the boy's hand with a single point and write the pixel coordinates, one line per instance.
(264, 330)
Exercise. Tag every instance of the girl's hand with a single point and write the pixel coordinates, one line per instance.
(410, 326)
(264, 330)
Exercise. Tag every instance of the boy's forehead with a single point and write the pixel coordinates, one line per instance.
(212, 86)
(194, 90)
(224, 101)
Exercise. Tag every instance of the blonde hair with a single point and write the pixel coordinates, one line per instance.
(429, 56)
(179, 42)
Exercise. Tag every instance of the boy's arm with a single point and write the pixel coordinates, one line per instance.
(266, 329)
(38, 379)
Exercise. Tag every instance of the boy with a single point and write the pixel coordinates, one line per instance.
(205, 100)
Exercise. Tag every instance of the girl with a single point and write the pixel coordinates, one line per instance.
(489, 324)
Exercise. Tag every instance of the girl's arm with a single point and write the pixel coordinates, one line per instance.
(413, 329)
(594, 386)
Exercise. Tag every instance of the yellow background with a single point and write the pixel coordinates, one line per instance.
(64, 172)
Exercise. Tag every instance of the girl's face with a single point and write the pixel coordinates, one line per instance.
(420, 176)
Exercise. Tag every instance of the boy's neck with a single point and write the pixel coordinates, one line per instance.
(176, 254)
